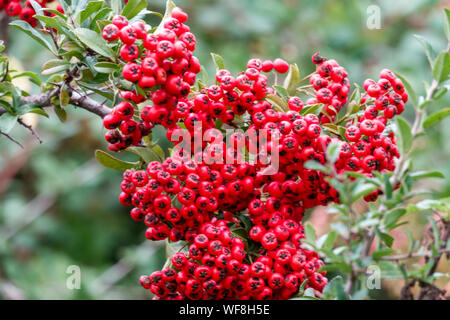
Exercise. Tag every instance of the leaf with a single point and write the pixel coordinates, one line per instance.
(405, 135)
(435, 118)
(389, 270)
(218, 61)
(292, 80)
(314, 165)
(377, 254)
(241, 233)
(33, 77)
(310, 233)
(25, 27)
(447, 23)
(333, 151)
(31, 108)
(146, 153)
(427, 174)
(106, 67)
(92, 6)
(429, 51)
(281, 91)
(277, 101)
(95, 42)
(441, 67)
(57, 23)
(116, 6)
(109, 161)
(133, 7)
(335, 289)
(54, 66)
(170, 5)
(64, 97)
(391, 217)
(411, 93)
(314, 108)
(353, 107)
(7, 122)
(61, 113)
(329, 242)
(361, 189)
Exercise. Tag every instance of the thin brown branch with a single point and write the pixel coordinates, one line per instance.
(30, 128)
(415, 255)
(12, 139)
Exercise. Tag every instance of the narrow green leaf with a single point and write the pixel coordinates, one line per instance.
(95, 42)
(310, 233)
(92, 6)
(133, 7)
(405, 135)
(435, 118)
(411, 93)
(426, 174)
(314, 165)
(170, 5)
(218, 61)
(441, 67)
(429, 51)
(54, 66)
(391, 217)
(61, 113)
(7, 122)
(292, 80)
(377, 254)
(109, 161)
(33, 33)
(447, 23)
(106, 67)
(329, 242)
(333, 151)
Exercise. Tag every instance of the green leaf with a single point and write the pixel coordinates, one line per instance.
(405, 135)
(54, 66)
(335, 289)
(92, 6)
(361, 189)
(133, 7)
(57, 23)
(7, 122)
(447, 23)
(310, 233)
(109, 161)
(329, 242)
(353, 107)
(33, 33)
(427, 174)
(218, 61)
(95, 42)
(64, 97)
(441, 67)
(146, 153)
(33, 77)
(31, 108)
(389, 270)
(116, 6)
(106, 67)
(435, 118)
(61, 113)
(377, 254)
(429, 51)
(292, 80)
(386, 238)
(411, 93)
(314, 165)
(170, 5)
(391, 217)
(241, 233)
(281, 91)
(277, 101)
(314, 108)
(333, 151)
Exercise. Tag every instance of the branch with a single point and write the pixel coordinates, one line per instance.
(30, 128)
(415, 255)
(12, 139)
(43, 100)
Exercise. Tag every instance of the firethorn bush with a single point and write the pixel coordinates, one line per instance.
(250, 154)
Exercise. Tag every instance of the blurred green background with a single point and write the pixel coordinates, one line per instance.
(58, 206)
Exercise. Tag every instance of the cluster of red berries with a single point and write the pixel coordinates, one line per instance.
(331, 87)
(25, 11)
(201, 194)
(216, 266)
(161, 64)
(123, 130)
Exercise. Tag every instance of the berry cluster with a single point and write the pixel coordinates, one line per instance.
(161, 64)
(25, 11)
(215, 267)
(331, 87)
(204, 193)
